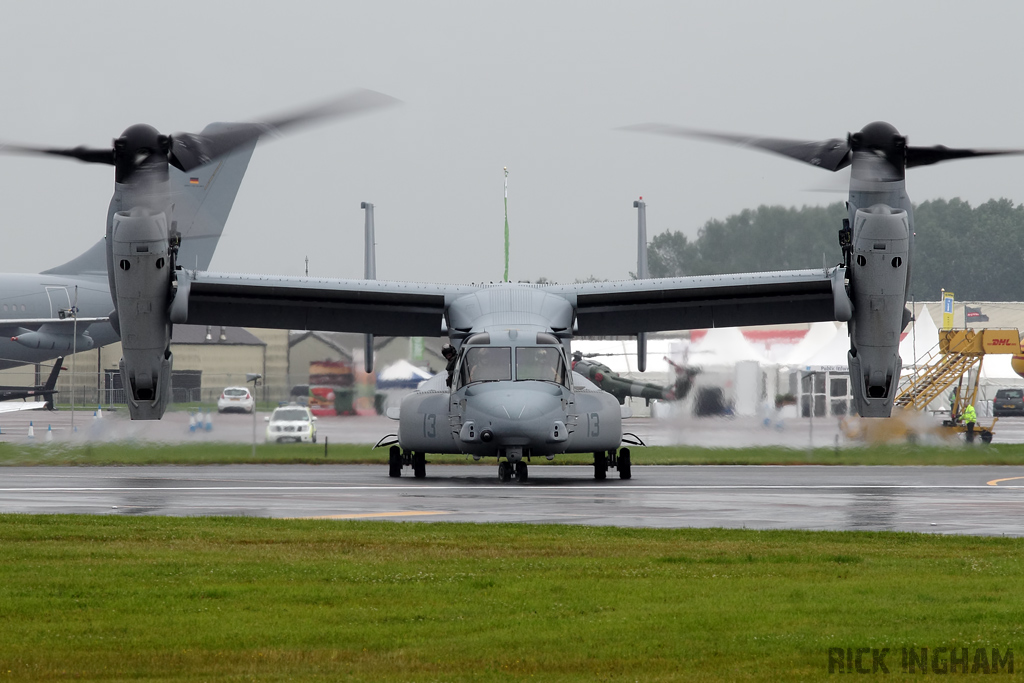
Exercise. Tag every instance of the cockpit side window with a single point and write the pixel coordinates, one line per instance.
(479, 338)
(543, 363)
(486, 364)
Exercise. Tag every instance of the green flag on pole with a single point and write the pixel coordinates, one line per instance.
(506, 224)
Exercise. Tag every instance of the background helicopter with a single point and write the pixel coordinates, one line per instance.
(46, 390)
(623, 387)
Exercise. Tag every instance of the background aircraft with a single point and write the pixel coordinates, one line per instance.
(623, 387)
(877, 239)
(46, 390)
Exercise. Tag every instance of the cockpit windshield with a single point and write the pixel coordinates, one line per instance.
(542, 363)
(486, 364)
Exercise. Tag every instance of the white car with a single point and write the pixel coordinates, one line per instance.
(236, 398)
(291, 423)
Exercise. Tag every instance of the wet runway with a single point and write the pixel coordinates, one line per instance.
(949, 500)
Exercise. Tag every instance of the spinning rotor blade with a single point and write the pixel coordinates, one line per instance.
(830, 155)
(186, 151)
(92, 156)
(923, 156)
(189, 150)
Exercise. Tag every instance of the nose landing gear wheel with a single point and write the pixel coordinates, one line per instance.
(522, 474)
(600, 466)
(419, 465)
(394, 462)
(504, 472)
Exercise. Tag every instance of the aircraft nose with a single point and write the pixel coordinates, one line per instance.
(516, 405)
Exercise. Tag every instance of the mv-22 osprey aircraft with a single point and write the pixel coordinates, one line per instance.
(512, 395)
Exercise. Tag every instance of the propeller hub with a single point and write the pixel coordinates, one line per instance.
(879, 137)
(875, 142)
(139, 146)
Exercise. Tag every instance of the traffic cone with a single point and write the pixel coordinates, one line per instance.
(31, 430)
(192, 422)
(99, 412)
(209, 421)
(49, 433)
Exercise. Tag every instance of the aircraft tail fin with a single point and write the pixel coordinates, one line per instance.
(202, 200)
(51, 381)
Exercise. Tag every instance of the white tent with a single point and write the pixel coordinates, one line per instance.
(996, 369)
(819, 334)
(401, 374)
(723, 346)
(823, 378)
(830, 357)
(922, 337)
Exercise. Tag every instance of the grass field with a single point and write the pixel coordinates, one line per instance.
(154, 598)
(113, 453)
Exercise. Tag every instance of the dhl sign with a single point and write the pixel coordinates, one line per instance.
(1001, 341)
(983, 341)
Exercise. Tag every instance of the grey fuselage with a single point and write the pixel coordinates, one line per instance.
(24, 295)
(513, 394)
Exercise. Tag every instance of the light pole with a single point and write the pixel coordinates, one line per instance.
(62, 314)
(255, 378)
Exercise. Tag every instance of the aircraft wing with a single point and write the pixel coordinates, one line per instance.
(12, 406)
(631, 306)
(380, 307)
(35, 322)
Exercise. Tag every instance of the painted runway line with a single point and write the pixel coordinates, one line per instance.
(514, 488)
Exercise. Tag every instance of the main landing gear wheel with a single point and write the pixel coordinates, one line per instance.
(522, 472)
(504, 472)
(600, 466)
(624, 464)
(394, 462)
(419, 465)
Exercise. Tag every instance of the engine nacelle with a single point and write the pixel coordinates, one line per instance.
(423, 423)
(52, 341)
(598, 423)
(141, 275)
(878, 278)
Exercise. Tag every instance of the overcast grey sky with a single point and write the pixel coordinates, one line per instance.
(535, 86)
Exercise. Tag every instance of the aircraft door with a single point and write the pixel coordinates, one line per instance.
(59, 300)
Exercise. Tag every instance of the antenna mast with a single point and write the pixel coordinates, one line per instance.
(642, 273)
(506, 224)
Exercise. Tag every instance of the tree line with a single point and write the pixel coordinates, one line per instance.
(977, 252)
